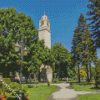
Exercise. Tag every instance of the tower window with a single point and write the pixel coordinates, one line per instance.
(42, 23)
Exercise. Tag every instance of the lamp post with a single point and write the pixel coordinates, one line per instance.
(20, 47)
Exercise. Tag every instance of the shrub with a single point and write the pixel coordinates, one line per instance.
(7, 80)
(15, 86)
(12, 98)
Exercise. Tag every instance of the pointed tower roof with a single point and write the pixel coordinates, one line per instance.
(44, 17)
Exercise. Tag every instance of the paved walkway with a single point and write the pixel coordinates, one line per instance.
(65, 93)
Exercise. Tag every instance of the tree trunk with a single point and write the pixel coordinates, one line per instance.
(59, 72)
(87, 71)
(90, 72)
(96, 79)
(78, 73)
(39, 76)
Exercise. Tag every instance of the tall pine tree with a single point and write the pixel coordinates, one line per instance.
(89, 52)
(76, 50)
(94, 13)
(83, 50)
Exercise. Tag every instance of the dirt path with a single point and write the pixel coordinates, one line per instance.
(65, 93)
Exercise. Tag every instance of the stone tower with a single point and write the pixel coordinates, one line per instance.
(44, 31)
(45, 34)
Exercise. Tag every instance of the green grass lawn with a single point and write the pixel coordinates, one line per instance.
(86, 87)
(82, 87)
(41, 92)
(89, 97)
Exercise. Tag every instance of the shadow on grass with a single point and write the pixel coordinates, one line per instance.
(82, 83)
(95, 88)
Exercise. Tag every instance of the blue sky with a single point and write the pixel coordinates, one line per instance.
(63, 15)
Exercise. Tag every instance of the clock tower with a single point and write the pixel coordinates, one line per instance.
(44, 31)
(45, 35)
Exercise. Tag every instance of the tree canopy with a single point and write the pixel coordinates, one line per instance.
(62, 60)
(83, 49)
(15, 27)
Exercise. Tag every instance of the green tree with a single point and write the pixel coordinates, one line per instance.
(15, 27)
(62, 59)
(88, 48)
(76, 50)
(7, 54)
(41, 55)
(35, 57)
(48, 57)
(89, 53)
(83, 49)
(94, 13)
(77, 44)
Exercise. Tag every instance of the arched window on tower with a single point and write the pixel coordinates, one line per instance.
(42, 23)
